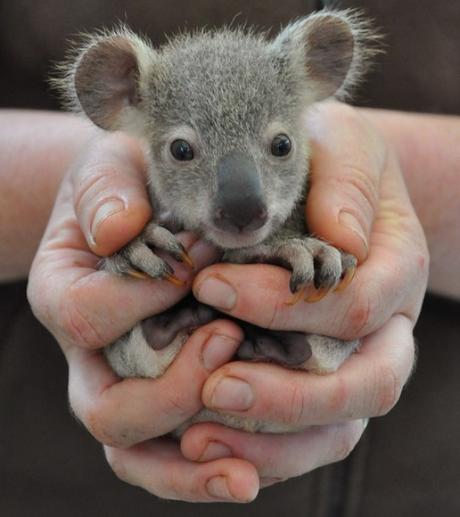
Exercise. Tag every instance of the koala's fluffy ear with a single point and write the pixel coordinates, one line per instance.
(105, 78)
(330, 49)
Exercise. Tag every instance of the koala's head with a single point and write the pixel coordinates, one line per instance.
(222, 113)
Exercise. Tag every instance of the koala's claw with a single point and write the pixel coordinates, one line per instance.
(309, 297)
(299, 295)
(172, 279)
(317, 295)
(137, 274)
(137, 259)
(186, 258)
(312, 261)
(346, 280)
(298, 281)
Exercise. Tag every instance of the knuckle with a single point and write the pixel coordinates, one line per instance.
(274, 313)
(174, 490)
(97, 419)
(96, 180)
(114, 458)
(345, 441)
(361, 313)
(423, 263)
(75, 325)
(178, 404)
(294, 413)
(363, 186)
(38, 300)
(388, 390)
(269, 461)
(340, 396)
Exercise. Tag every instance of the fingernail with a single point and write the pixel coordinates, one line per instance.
(232, 394)
(350, 221)
(215, 451)
(217, 487)
(109, 208)
(216, 292)
(365, 422)
(218, 350)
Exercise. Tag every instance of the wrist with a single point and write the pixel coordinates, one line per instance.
(36, 148)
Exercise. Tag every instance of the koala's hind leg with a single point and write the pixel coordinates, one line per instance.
(151, 346)
(319, 354)
(138, 258)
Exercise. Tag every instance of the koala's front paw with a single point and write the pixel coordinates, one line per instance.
(138, 259)
(312, 262)
(331, 268)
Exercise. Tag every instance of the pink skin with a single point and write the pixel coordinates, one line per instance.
(214, 463)
(79, 302)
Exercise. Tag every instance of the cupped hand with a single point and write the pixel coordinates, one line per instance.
(354, 173)
(358, 202)
(102, 204)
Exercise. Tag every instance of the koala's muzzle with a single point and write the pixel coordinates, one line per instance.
(239, 204)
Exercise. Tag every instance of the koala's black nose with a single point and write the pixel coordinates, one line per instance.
(239, 204)
(249, 216)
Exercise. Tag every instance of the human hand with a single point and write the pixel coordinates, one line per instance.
(103, 202)
(358, 201)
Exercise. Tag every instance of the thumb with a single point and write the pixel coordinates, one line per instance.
(348, 158)
(109, 193)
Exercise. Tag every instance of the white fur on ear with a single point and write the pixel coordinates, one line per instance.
(104, 77)
(331, 49)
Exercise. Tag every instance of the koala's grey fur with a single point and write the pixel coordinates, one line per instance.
(228, 93)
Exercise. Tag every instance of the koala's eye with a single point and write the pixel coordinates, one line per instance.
(182, 150)
(281, 145)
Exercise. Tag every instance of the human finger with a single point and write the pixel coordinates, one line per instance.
(124, 412)
(276, 456)
(159, 467)
(109, 192)
(90, 308)
(368, 384)
(346, 168)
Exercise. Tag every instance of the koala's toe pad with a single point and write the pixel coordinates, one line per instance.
(284, 348)
(159, 331)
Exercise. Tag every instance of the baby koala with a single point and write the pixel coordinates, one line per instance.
(222, 113)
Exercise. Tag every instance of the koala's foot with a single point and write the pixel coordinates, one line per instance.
(151, 346)
(160, 330)
(289, 349)
(138, 259)
(325, 355)
(312, 262)
(312, 352)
